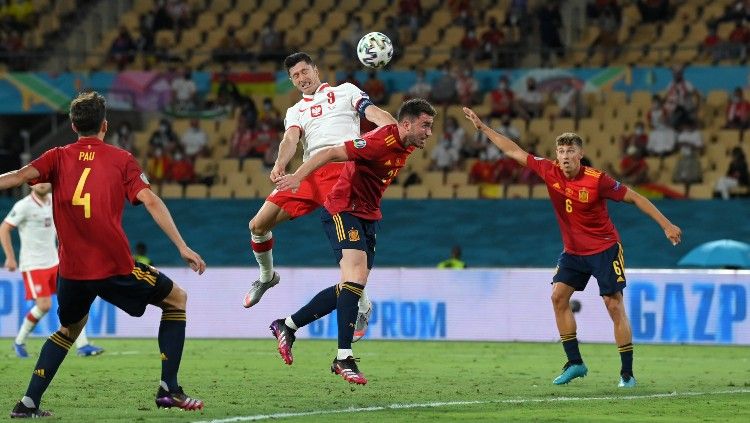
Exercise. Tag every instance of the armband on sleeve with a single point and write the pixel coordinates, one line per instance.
(362, 105)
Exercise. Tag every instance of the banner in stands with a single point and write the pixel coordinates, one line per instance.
(44, 92)
(665, 306)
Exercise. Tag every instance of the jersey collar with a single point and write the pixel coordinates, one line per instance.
(39, 201)
(308, 97)
(89, 140)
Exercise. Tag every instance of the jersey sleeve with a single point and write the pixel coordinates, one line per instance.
(45, 164)
(135, 180)
(359, 99)
(292, 118)
(611, 188)
(539, 165)
(17, 214)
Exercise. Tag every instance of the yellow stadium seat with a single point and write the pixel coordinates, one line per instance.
(219, 191)
(221, 6)
(467, 192)
(540, 127)
(394, 192)
(539, 191)
(142, 6)
(416, 192)
(244, 192)
(433, 178)
(256, 18)
(253, 167)
(207, 21)
(171, 191)
(457, 178)
(517, 191)
(272, 6)
(561, 125)
(165, 38)
(442, 192)
(285, 20)
(717, 99)
(232, 20)
(236, 180)
(196, 191)
(440, 19)
(336, 19)
(703, 191)
(229, 166)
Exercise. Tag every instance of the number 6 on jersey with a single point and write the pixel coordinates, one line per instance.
(83, 200)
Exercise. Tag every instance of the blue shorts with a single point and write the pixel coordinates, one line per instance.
(348, 232)
(608, 267)
(130, 293)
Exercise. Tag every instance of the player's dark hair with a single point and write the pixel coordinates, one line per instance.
(569, 138)
(412, 109)
(295, 58)
(87, 112)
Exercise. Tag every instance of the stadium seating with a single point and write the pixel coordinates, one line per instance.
(613, 113)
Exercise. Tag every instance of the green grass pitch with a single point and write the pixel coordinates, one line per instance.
(245, 380)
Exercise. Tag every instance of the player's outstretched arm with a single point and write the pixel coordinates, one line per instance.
(163, 218)
(10, 254)
(379, 116)
(672, 231)
(505, 144)
(16, 178)
(287, 148)
(326, 155)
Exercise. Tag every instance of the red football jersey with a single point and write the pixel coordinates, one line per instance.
(90, 181)
(581, 205)
(374, 160)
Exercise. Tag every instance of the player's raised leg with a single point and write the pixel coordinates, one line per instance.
(38, 311)
(566, 325)
(261, 241)
(623, 337)
(171, 343)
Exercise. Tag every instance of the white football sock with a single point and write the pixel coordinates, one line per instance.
(290, 323)
(28, 325)
(28, 402)
(364, 303)
(344, 354)
(82, 340)
(264, 258)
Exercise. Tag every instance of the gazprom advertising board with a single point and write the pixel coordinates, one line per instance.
(665, 306)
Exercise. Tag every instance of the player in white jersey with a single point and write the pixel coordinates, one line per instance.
(325, 116)
(38, 259)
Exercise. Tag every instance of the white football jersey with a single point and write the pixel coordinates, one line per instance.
(327, 118)
(33, 218)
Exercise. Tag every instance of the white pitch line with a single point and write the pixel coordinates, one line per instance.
(455, 403)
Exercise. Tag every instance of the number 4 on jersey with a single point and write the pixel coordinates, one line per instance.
(85, 199)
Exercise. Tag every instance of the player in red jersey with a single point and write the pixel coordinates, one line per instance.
(325, 116)
(90, 180)
(351, 215)
(591, 244)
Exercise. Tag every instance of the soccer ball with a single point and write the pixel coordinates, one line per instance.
(375, 50)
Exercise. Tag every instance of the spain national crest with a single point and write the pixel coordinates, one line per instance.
(353, 235)
(583, 196)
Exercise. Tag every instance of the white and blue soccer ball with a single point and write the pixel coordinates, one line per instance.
(375, 50)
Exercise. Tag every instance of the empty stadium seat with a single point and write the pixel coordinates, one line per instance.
(218, 191)
(171, 191)
(196, 191)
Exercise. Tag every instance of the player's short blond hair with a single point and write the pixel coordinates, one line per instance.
(569, 138)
